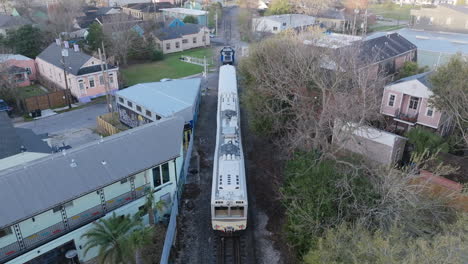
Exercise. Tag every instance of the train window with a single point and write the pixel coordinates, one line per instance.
(237, 211)
(221, 211)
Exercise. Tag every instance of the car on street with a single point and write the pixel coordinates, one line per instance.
(5, 107)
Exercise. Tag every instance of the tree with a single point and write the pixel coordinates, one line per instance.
(118, 238)
(411, 68)
(26, 40)
(311, 7)
(356, 244)
(450, 88)
(190, 19)
(426, 142)
(95, 36)
(213, 10)
(279, 7)
(62, 14)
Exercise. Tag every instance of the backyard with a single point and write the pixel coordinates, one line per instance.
(171, 67)
(392, 11)
(28, 91)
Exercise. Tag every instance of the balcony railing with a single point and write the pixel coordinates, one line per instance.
(74, 222)
(406, 117)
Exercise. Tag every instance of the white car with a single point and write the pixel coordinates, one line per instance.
(165, 80)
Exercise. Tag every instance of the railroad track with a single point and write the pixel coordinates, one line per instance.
(229, 250)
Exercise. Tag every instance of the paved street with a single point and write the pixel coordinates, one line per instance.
(72, 128)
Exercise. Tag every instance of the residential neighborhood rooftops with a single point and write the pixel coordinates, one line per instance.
(164, 98)
(42, 184)
(149, 7)
(385, 47)
(11, 21)
(186, 11)
(16, 140)
(291, 19)
(6, 57)
(178, 31)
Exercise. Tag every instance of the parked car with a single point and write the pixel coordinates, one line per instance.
(4, 107)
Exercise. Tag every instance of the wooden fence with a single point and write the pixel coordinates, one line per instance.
(105, 126)
(47, 101)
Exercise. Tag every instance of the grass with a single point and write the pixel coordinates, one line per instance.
(171, 67)
(386, 28)
(392, 11)
(29, 91)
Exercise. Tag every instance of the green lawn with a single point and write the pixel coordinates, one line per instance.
(385, 28)
(392, 11)
(171, 67)
(29, 91)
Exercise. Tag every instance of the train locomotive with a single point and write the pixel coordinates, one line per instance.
(228, 55)
(229, 202)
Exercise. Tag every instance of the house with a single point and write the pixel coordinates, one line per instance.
(147, 11)
(444, 17)
(332, 19)
(150, 102)
(434, 48)
(11, 23)
(19, 143)
(181, 13)
(49, 203)
(180, 37)
(406, 102)
(377, 145)
(84, 75)
(20, 69)
(278, 23)
(94, 14)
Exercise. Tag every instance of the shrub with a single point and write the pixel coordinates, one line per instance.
(157, 55)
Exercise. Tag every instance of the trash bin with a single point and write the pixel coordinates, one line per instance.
(38, 112)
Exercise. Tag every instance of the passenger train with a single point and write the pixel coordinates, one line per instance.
(229, 189)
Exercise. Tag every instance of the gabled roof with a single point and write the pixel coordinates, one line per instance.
(384, 47)
(75, 59)
(164, 98)
(94, 68)
(423, 90)
(423, 78)
(42, 184)
(13, 139)
(175, 32)
(7, 21)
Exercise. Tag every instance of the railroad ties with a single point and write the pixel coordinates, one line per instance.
(230, 249)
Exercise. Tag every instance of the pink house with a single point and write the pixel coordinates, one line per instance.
(19, 69)
(83, 72)
(406, 101)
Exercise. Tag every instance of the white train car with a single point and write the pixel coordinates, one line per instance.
(229, 190)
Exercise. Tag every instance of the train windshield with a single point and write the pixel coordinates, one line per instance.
(236, 211)
(221, 211)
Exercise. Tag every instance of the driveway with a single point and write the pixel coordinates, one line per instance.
(72, 128)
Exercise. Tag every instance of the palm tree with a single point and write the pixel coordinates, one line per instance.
(118, 238)
(149, 206)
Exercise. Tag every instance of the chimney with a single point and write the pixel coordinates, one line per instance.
(76, 47)
(66, 44)
(57, 41)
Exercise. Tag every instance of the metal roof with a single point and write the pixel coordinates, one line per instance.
(75, 59)
(164, 98)
(39, 185)
(185, 11)
(7, 57)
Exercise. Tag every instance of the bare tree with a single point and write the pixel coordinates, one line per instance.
(119, 30)
(62, 14)
(8, 88)
(297, 91)
(311, 7)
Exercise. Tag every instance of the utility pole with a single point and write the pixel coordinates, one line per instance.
(216, 22)
(105, 76)
(364, 29)
(64, 52)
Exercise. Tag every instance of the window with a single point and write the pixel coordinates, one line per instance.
(204, 38)
(28, 70)
(60, 76)
(101, 79)
(121, 100)
(284, 24)
(5, 232)
(138, 108)
(158, 117)
(184, 41)
(81, 84)
(148, 113)
(177, 45)
(221, 211)
(429, 111)
(431, 21)
(129, 104)
(449, 21)
(194, 40)
(57, 209)
(157, 177)
(165, 172)
(91, 82)
(275, 28)
(391, 100)
(111, 78)
(69, 204)
(168, 46)
(413, 104)
(237, 211)
(123, 181)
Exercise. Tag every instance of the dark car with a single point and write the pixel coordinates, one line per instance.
(5, 107)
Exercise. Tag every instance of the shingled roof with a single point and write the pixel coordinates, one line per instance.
(42, 184)
(177, 31)
(384, 47)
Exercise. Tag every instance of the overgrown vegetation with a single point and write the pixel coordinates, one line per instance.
(26, 40)
(213, 10)
(190, 19)
(411, 68)
(279, 7)
(425, 142)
